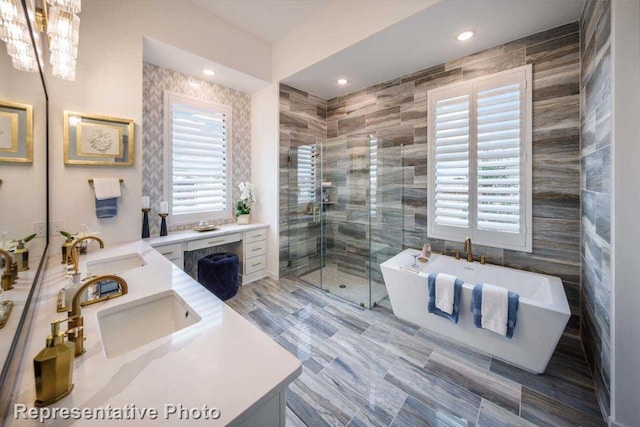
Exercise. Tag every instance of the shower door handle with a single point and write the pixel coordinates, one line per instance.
(316, 214)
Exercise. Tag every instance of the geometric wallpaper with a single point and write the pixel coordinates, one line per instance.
(156, 81)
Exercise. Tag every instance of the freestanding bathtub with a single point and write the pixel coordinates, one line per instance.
(543, 311)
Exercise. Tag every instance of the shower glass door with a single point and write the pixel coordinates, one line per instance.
(344, 214)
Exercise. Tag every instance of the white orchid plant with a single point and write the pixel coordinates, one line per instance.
(247, 199)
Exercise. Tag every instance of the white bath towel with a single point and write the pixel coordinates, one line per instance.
(495, 308)
(106, 188)
(445, 287)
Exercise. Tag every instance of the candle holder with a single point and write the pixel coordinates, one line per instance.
(163, 224)
(145, 222)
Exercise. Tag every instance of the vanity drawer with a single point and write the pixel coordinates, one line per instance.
(255, 235)
(213, 241)
(171, 252)
(255, 264)
(255, 249)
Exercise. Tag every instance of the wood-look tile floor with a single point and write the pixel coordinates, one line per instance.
(369, 368)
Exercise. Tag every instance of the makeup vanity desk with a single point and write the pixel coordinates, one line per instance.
(249, 242)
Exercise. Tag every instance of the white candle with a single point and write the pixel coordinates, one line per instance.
(164, 207)
(145, 202)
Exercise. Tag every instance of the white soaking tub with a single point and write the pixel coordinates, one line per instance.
(543, 311)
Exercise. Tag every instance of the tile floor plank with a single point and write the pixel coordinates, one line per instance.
(492, 415)
(486, 384)
(434, 391)
(543, 410)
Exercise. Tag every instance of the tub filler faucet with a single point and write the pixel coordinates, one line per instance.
(467, 249)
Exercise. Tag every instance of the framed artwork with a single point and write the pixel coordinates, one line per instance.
(90, 139)
(16, 132)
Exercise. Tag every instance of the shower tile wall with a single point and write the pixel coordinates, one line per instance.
(395, 113)
(302, 123)
(596, 191)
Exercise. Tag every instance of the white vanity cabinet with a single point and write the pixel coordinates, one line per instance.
(173, 253)
(249, 242)
(253, 263)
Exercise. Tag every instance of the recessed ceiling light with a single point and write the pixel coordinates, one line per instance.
(343, 82)
(208, 72)
(465, 35)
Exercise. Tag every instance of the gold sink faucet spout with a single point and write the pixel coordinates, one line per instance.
(75, 251)
(467, 249)
(76, 323)
(7, 276)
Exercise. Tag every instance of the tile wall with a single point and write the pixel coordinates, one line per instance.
(395, 113)
(303, 122)
(595, 47)
(157, 80)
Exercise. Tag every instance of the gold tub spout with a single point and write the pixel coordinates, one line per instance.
(467, 249)
(7, 276)
(75, 251)
(76, 324)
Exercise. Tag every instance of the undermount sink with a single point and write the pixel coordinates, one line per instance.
(115, 265)
(134, 324)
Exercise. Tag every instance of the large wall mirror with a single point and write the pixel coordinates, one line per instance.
(23, 187)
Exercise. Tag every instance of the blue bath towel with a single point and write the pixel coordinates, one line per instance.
(107, 208)
(476, 309)
(431, 305)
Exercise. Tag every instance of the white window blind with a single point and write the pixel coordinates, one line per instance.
(479, 160)
(307, 174)
(498, 112)
(373, 175)
(452, 161)
(198, 159)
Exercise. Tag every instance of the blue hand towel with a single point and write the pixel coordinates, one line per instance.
(431, 305)
(476, 309)
(107, 208)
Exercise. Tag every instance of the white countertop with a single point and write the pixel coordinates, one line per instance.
(223, 361)
(186, 235)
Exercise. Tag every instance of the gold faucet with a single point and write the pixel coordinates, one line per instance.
(7, 276)
(76, 323)
(467, 249)
(75, 251)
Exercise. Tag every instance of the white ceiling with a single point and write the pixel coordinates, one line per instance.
(265, 19)
(418, 42)
(428, 38)
(172, 58)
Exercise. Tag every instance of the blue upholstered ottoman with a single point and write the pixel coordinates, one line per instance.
(219, 274)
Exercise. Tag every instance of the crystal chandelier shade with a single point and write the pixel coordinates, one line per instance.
(14, 31)
(63, 31)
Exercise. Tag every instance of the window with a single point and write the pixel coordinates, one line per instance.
(480, 160)
(197, 159)
(307, 173)
(373, 175)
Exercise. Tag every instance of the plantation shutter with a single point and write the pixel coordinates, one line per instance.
(307, 174)
(498, 158)
(451, 140)
(479, 164)
(198, 159)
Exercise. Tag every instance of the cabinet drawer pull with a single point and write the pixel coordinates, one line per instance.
(257, 235)
(256, 264)
(213, 242)
(167, 253)
(256, 249)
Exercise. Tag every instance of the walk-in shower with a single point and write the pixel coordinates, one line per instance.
(344, 213)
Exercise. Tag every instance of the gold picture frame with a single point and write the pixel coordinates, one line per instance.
(90, 139)
(16, 132)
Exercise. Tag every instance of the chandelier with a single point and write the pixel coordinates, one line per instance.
(63, 32)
